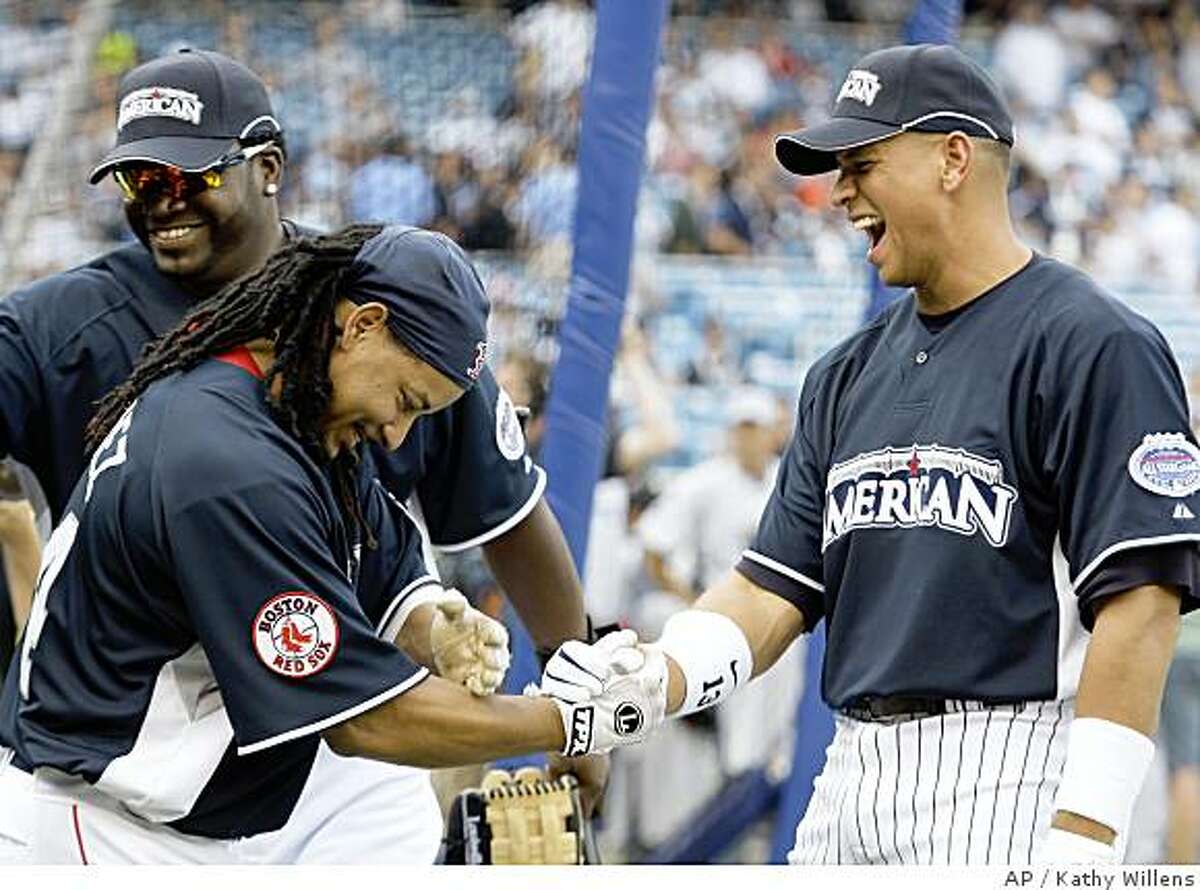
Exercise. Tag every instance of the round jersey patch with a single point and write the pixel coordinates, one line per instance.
(509, 437)
(295, 634)
(1166, 464)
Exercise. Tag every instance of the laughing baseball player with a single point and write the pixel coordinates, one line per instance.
(200, 169)
(990, 498)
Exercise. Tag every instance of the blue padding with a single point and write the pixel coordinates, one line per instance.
(617, 102)
(934, 21)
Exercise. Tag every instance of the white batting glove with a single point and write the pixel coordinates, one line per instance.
(468, 647)
(1068, 848)
(609, 694)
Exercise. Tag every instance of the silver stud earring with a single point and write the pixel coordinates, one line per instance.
(271, 188)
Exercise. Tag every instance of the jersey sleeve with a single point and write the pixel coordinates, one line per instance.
(479, 481)
(291, 649)
(394, 571)
(21, 391)
(1123, 460)
(785, 553)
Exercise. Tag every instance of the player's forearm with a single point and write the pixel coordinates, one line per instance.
(1127, 659)
(534, 567)
(413, 638)
(22, 549)
(438, 723)
(769, 623)
(1124, 672)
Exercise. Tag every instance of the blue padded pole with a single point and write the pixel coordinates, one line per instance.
(932, 21)
(617, 103)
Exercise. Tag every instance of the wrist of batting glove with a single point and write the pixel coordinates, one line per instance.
(468, 647)
(609, 694)
(594, 632)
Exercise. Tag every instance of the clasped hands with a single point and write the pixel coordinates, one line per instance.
(465, 646)
(609, 694)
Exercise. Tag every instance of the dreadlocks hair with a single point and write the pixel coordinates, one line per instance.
(290, 300)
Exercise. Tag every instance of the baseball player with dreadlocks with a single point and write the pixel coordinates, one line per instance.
(206, 611)
(990, 498)
(200, 161)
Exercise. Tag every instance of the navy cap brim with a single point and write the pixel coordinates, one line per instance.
(190, 153)
(814, 150)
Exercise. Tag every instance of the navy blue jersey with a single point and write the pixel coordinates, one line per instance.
(948, 493)
(203, 612)
(67, 340)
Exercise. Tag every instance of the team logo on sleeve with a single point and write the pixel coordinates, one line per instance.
(1166, 464)
(295, 634)
(509, 437)
(919, 486)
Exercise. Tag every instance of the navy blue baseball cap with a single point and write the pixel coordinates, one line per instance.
(189, 109)
(926, 87)
(437, 305)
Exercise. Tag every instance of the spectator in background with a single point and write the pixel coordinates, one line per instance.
(468, 128)
(686, 534)
(1189, 62)
(1170, 234)
(545, 204)
(456, 192)
(393, 187)
(692, 534)
(705, 517)
(336, 65)
(653, 431)
(716, 365)
(1171, 115)
(1029, 201)
(1031, 61)
(558, 36)
(1097, 114)
(735, 73)
(647, 433)
(707, 216)
(1085, 29)
(486, 224)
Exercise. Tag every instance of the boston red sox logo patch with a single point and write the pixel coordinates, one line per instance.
(295, 634)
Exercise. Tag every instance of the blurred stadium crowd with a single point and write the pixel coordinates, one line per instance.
(468, 123)
(464, 118)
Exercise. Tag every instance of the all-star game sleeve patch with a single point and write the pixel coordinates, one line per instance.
(295, 634)
(1166, 464)
(509, 437)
